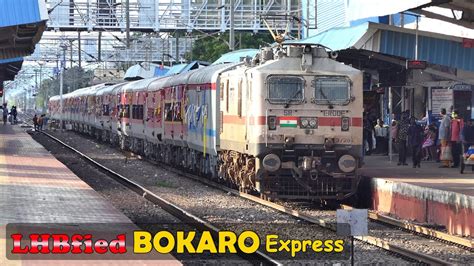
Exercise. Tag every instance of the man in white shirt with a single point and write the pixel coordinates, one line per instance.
(381, 137)
(444, 138)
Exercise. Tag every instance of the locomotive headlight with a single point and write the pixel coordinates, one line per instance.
(347, 163)
(304, 122)
(309, 122)
(271, 162)
(272, 122)
(345, 121)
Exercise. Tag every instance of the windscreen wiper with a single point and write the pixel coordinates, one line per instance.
(326, 98)
(287, 103)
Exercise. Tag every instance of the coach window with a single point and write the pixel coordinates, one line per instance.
(105, 109)
(126, 111)
(168, 112)
(227, 96)
(239, 99)
(221, 90)
(137, 111)
(140, 112)
(285, 89)
(177, 115)
(331, 90)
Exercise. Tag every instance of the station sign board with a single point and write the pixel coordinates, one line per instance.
(468, 43)
(441, 98)
(416, 64)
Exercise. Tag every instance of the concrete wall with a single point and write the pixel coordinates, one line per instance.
(452, 210)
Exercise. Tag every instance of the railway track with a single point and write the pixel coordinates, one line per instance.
(379, 242)
(386, 245)
(181, 214)
(462, 242)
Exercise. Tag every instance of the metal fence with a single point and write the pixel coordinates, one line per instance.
(167, 15)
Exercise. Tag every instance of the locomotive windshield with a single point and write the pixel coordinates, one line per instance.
(285, 89)
(331, 90)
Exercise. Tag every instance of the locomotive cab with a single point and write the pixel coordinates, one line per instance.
(313, 129)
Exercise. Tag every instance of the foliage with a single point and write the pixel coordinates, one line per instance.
(73, 78)
(210, 48)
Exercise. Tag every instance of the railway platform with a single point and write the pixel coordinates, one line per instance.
(428, 195)
(36, 188)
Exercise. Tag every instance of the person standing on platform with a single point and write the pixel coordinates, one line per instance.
(35, 122)
(444, 132)
(429, 143)
(415, 139)
(403, 126)
(14, 114)
(468, 134)
(394, 134)
(368, 135)
(40, 122)
(5, 113)
(45, 121)
(457, 125)
(381, 137)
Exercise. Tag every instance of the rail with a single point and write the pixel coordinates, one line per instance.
(428, 232)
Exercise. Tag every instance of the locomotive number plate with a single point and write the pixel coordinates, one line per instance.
(334, 112)
(287, 112)
(342, 141)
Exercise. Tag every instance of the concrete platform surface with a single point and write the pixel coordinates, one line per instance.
(430, 195)
(37, 188)
(429, 175)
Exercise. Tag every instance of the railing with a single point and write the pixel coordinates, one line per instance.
(144, 49)
(170, 15)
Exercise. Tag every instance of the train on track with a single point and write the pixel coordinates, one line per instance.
(286, 124)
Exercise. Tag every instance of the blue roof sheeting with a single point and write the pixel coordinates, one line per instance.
(182, 68)
(434, 50)
(11, 60)
(337, 38)
(176, 69)
(234, 57)
(161, 71)
(18, 12)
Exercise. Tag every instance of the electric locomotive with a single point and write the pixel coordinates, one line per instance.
(291, 124)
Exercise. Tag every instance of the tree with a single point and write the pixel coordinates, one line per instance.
(73, 78)
(210, 48)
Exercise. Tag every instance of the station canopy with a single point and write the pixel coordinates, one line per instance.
(236, 56)
(462, 10)
(386, 48)
(22, 23)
